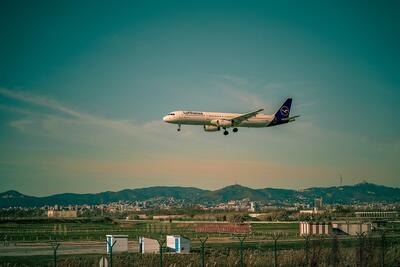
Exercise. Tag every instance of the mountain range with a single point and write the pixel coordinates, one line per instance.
(358, 193)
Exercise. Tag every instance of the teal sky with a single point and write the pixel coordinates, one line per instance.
(84, 86)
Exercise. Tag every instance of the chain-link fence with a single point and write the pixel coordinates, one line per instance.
(362, 250)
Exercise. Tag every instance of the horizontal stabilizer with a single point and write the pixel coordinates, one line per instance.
(293, 118)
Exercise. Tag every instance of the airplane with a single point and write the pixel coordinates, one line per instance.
(214, 121)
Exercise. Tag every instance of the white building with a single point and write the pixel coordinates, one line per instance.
(62, 213)
(352, 228)
(315, 228)
(312, 212)
(121, 243)
(253, 207)
(148, 245)
(179, 244)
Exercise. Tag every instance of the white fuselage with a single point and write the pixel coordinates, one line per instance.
(212, 118)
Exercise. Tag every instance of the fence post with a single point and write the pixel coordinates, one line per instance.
(360, 248)
(241, 240)
(276, 237)
(335, 251)
(55, 246)
(383, 243)
(203, 244)
(161, 243)
(307, 249)
(111, 245)
(133, 258)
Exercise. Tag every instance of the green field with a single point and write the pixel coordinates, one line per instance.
(46, 230)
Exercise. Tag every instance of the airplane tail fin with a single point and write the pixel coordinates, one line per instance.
(283, 112)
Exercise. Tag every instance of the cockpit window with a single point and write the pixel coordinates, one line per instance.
(173, 114)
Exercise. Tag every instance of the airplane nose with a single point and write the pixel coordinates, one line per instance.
(165, 118)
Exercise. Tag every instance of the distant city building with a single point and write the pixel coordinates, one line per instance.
(313, 211)
(257, 215)
(148, 245)
(253, 207)
(318, 204)
(377, 214)
(120, 245)
(179, 244)
(62, 213)
(315, 228)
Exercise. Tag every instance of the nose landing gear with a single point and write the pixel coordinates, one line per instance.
(179, 128)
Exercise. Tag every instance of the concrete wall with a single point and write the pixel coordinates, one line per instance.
(353, 228)
(184, 245)
(148, 245)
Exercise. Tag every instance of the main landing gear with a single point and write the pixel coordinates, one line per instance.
(179, 128)
(234, 130)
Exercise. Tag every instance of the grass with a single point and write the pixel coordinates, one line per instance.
(86, 230)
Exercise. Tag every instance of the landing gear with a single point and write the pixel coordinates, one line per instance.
(179, 128)
(226, 132)
(235, 130)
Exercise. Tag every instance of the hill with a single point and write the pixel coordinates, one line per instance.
(359, 193)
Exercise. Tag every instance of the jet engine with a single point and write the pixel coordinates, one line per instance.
(222, 123)
(211, 128)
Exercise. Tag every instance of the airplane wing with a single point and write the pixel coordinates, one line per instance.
(239, 119)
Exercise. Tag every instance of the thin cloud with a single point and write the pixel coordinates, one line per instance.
(21, 124)
(39, 100)
(65, 123)
(55, 105)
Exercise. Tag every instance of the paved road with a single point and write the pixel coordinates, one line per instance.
(66, 248)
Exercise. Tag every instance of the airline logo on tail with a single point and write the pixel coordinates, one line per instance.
(282, 115)
(285, 111)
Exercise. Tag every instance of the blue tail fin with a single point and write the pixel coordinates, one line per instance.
(283, 111)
